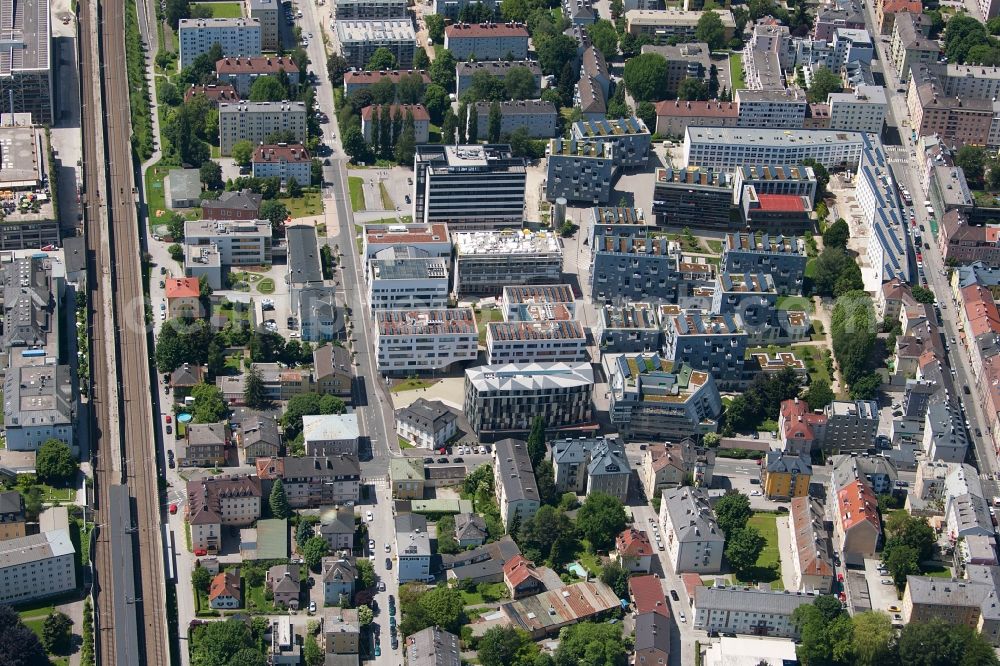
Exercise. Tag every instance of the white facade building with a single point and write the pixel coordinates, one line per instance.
(771, 108)
(238, 242)
(413, 547)
(424, 340)
(742, 610)
(395, 284)
(487, 261)
(236, 36)
(860, 111)
(256, 121)
(728, 148)
(694, 539)
(37, 566)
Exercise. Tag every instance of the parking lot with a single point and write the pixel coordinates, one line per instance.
(881, 596)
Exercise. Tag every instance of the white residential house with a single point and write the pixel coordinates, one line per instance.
(694, 539)
(413, 548)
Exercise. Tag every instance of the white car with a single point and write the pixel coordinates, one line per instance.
(388, 548)
(886, 581)
(681, 615)
(371, 544)
(755, 493)
(369, 517)
(312, 607)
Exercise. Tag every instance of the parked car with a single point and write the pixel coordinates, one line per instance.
(170, 430)
(369, 517)
(381, 586)
(459, 460)
(173, 509)
(442, 460)
(673, 595)
(428, 461)
(388, 548)
(388, 563)
(312, 607)
(371, 544)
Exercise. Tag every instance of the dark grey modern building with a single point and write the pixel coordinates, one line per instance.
(630, 136)
(782, 257)
(751, 296)
(696, 198)
(714, 343)
(628, 328)
(469, 187)
(579, 171)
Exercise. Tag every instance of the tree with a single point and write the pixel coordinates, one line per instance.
(275, 212)
(218, 643)
(536, 441)
(354, 144)
(493, 131)
(365, 615)
(837, 234)
(382, 59)
(312, 653)
(201, 579)
(912, 531)
(972, 159)
(538, 534)
(442, 71)
(336, 67)
(692, 89)
(421, 61)
(410, 89)
(440, 606)
(211, 175)
(901, 561)
(436, 102)
(385, 142)
(18, 644)
(874, 639)
(209, 407)
(366, 574)
(713, 82)
(616, 577)
(554, 52)
(435, 27)
(819, 394)
(592, 644)
(834, 273)
(449, 127)
(314, 551)
(824, 82)
(182, 129)
(938, 643)
(520, 83)
(600, 519)
(177, 10)
(710, 30)
(852, 329)
(406, 147)
(604, 37)
(268, 89)
(57, 633)
(242, 153)
(501, 645)
(55, 463)
(866, 386)
(743, 547)
(646, 77)
(647, 112)
(383, 91)
(278, 502)
(962, 35)
(732, 512)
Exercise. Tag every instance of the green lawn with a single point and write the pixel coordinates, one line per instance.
(155, 197)
(50, 494)
(485, 317)
(936, 571)
(736, 72)
(714, 245)
(404, 443)
(357, 187)
(590, 561)
(255, 601)
(387, 202)
(498, 590)
(768, 567)
(222, 9)
(412, 385)
(795, 303)
(308, 205)
(266, 286)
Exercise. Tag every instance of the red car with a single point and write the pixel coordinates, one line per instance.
(840, 577)
(170, 419)
(200, 552)
(173, 509)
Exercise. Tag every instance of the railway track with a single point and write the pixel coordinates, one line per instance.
(122, 407)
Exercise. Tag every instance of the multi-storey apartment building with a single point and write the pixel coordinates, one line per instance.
(888, 242)
(812, 550)
(371, 115)
(537, 117)
(413, 547)
(487, 261)
(969, 602)
(236, 36)
(487, 41)
(659, 26)
(743, 610)
(751, 296)
(506, 398)
(628, 328)
(214, 502)
(587, 465)
(517, 300)
(444, 176)
(241, 72)
(862, 110)
(313, 481)
(362, 80)
(267, 12)
(360, 39)
(428, 424)
(673, 117)
(421, 240)
(784, 476)
(629, 136)
(238, 242)
(12, 517)
(654, 399)
(464, 71)
(713, 343)
(546, 334)
(694, 539)
(408, 341)
(452, 9)
(771, 108)
(955, 102)
(699, 198)
(284, 161)
(782, 257)
(363, 10)
(966, 243)
(256, 121)
(727, 149)
(514, 480)
(856, 521)
(775, 179)
(395, 284)
(579, 171)
(637, 267)
(910, 45)
(684, 61)
(37, 566)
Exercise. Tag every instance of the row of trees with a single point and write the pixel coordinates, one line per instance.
(744, 543)
(831, 637)
(762, 400)
(196, 343)
(909, 541)
(853, 332)
(967, 40)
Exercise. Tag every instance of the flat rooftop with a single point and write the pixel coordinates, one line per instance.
(392, 234)
(509, 241)
(410, 269)
(610, 128)
(379, 30)
(769, 137)
(457, 321)
(571, 148)
(26, 35)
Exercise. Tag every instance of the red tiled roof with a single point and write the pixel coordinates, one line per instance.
(858, 504)
(418, 111)
(647, 593)
(293, 153)
(224, 584)
(781, 202)
(633, 543)
(679, 109)
(980, 310)
(517, 570)
(186, 287)
(798, 420)
(219, 92)
(255, 65)
(895, 6)
(486, 30)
